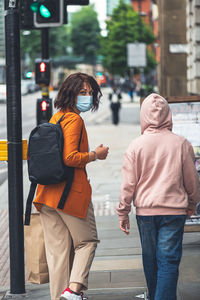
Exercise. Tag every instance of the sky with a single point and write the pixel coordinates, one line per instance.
(100, 7)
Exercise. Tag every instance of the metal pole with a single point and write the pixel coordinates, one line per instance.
(45, 42)
(45, 55)
(14, 137)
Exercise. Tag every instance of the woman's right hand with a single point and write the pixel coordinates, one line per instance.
(101, 152)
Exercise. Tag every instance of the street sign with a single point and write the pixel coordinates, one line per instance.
(178, 48)
(136, 55)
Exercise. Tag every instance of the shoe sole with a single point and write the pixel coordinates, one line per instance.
(63, 298)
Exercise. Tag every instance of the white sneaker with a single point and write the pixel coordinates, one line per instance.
(67, 294)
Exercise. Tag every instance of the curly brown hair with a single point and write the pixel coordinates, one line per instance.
(71, 87)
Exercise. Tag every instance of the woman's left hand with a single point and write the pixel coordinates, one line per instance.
(101, 152)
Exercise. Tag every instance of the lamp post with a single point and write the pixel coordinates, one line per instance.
(14, 137)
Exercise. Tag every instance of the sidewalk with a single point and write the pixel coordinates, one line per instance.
(117, 271)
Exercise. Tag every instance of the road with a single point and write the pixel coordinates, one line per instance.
(129, 115)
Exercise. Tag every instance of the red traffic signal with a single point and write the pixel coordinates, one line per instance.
(44, 105)
(42, 71)
(43, 110)
(42, 67)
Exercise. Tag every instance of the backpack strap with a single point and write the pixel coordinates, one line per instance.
(69, 181)
(60, 119)
(29, 203)
(66, 190)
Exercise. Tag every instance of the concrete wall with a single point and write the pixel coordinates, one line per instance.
(172, 30)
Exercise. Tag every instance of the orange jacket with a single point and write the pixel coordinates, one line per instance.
(80, 194)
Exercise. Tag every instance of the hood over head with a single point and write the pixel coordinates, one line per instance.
(155, 114)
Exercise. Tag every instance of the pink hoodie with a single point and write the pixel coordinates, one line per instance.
(159, 174)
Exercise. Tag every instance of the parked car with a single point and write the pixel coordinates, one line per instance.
(2, 81)
(2, 93)
(28, 86)
(24, 87)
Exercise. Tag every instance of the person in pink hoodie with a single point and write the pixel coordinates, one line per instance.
(160, 178)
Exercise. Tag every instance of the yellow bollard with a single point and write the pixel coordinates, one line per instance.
(4, 150)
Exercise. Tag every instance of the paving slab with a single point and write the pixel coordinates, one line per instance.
(41, 293)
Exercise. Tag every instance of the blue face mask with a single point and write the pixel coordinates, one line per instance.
(84, 103)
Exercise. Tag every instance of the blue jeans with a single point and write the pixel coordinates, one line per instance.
(161, 239)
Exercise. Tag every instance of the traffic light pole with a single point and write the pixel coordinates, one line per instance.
(45, 55)
(45, 42)
(14, 137)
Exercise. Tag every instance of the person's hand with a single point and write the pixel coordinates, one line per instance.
(190, 212)
(125, 226)
(101, 152)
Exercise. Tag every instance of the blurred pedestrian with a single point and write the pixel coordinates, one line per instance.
(75, 224)
(115, 105)
(131, 90)
(137, 87)
(129, 86)
(160, 177)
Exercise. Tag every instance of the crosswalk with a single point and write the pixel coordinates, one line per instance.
(106, 208)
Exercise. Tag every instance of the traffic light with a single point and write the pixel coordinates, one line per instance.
(42, 71)
(77, 2)
(26, 15)
(48, 13)
(44, 110)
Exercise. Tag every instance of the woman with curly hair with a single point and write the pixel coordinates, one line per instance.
(74, 226)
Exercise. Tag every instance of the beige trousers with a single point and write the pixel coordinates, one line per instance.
(63, 234)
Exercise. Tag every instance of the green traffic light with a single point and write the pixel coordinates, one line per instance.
(28, 74)
(44, 11)
(34, 6)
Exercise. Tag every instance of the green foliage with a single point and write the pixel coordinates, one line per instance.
(31, 44)
(85, 32)
(125, 26)
(59, 41)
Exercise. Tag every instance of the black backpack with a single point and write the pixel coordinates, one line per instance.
(45, 162)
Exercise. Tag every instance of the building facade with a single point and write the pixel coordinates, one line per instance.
(172, 73)
(145, 9)
(193, 43)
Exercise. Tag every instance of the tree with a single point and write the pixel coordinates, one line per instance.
(30, 46)
(31, 43)
(125, 26)
(85, 32)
